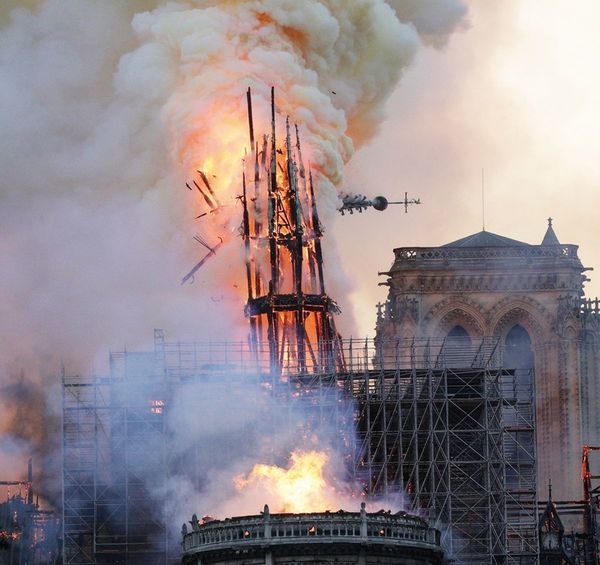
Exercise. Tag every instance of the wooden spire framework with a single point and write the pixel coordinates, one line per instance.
(290, 314)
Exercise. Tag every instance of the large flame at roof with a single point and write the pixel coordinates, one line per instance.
(301, 487)
(333, 65)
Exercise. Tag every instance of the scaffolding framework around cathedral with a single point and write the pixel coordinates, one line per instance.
(448, 425)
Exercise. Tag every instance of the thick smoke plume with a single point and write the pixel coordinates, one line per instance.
(105, 109)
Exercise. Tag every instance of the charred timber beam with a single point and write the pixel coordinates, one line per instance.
(289, 302)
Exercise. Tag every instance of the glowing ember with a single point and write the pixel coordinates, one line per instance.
(157, 406)
(300, 488)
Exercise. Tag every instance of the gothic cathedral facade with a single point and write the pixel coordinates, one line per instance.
(529, 297)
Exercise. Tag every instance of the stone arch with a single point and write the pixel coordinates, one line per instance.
(463, 318)
(524, 311)
(570, 332)
(455, 311)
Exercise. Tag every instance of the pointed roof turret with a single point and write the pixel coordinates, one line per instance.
(550, 237)
(550, 521)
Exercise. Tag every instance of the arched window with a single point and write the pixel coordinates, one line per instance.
(519, 354)
(457, 350)
(459, 335)
(519, 360)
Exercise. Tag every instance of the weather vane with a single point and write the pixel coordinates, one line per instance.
(358, 202)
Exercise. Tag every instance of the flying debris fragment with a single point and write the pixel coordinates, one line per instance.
(210, 190)
(211, 251)
(208, 194)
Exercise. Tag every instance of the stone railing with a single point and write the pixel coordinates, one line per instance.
(416, 254)
(590, 306)
(328, 527)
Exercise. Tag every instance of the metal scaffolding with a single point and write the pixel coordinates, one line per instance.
(453, 429)
(113, 451)
(443, 422)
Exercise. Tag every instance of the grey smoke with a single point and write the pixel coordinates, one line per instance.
(95, 222)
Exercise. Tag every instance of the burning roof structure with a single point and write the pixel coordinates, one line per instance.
(28, 534)
(287, 305)
(428, 420)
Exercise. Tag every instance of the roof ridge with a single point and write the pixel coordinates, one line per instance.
(486, 239)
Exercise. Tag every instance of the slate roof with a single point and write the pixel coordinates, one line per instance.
(486, 239)
(550, 237)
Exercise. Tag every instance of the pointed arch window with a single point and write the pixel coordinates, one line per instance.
(518, 356)
(459, 336)
(519, 353)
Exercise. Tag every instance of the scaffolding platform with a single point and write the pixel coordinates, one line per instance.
(442, 423)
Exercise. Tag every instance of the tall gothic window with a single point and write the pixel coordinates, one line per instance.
(457, 348)
(519, 354)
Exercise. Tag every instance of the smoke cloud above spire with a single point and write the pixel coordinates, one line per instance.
(107, 107)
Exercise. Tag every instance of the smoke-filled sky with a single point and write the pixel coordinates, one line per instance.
(515, 94)
(105, 105)
(106, 109)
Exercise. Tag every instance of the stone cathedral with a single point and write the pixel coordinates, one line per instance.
(531, 298)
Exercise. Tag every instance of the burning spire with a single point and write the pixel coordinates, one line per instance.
(290, 314)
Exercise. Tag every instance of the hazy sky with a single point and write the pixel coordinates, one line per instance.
(516, 94)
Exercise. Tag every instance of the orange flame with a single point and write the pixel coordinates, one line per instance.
(300, 488)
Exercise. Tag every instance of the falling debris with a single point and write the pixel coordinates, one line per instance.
(211, 251)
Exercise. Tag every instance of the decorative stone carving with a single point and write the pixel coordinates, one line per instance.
(524, 317)
(531, 311)
(459, 317)
(406, 307)
(465, 310)
(568, 314)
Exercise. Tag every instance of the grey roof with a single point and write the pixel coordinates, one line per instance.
(550, 237)
(486, 239)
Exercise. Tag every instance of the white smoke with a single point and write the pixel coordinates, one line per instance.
(222, 428)
(106, 106)
(433, 19)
